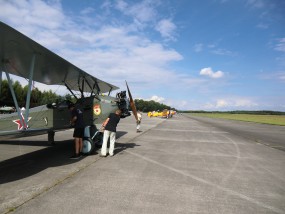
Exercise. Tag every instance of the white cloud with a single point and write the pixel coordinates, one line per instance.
(177, 103)
(111, 52)
(198, 47)
(221, 104)
(37, 13)
(223, 52)
(274, 75)
(87, 11)
(210, 73)
(235, 103)
(142, 12)
(157, 99)
(281, 45)
(122, 6)
(282, 77)
(262, 26)
(166, 28)
(256, 3)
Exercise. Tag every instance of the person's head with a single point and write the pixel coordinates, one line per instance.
(118, 112)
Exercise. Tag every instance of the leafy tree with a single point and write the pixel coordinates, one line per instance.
(48, 97)
(151, 105)
(5, 96)
(37, 97)
(18, 89)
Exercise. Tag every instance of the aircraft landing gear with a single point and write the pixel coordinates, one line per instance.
(88, 146)
(51, 137)
(91, 142)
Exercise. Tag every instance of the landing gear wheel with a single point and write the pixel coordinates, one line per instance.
(51, 137)
(88, 146)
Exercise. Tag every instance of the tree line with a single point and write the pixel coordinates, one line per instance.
(146, 106)
(37, 97)
(44, 97)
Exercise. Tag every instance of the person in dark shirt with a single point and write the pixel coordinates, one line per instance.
(78, 134)
(110, 126)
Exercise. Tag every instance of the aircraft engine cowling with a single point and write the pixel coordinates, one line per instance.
(123, 103)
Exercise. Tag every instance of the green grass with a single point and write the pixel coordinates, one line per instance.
(266, 119)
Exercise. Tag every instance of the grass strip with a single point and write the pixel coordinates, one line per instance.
(266, 119)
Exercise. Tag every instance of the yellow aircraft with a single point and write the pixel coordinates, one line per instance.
(165, 113)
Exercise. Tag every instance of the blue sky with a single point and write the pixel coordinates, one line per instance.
(191, 55)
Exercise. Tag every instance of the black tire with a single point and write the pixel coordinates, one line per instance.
(98, 140)
(88, 146)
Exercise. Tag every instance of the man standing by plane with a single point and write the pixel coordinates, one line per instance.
(78, 134)
(110, 126)
(139, 121)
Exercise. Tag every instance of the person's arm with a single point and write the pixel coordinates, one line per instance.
(73, 119)
(105, 122)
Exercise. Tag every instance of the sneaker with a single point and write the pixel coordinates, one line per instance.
(102, 155)
(111, 155)
(75, 156)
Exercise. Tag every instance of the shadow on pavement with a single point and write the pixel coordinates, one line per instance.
(120, 134)
(26, 142)
(32, 163)
(119, 147)
(123, 146)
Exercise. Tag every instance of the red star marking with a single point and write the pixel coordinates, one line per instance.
(20, 127)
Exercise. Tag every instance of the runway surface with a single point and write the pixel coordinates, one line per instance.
(178, 165)
(269, 135)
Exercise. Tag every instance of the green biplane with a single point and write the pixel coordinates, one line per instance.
(23, 57)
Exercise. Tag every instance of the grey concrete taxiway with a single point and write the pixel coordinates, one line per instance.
(177, 165)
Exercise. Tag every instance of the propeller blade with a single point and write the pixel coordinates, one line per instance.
(132, 103)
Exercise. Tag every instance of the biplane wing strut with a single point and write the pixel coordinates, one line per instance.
(28, 98)
(14, 96)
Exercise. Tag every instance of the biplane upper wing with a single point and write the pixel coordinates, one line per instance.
(18, 52)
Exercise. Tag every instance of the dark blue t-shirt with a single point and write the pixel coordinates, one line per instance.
(79, 123)
(114, 119)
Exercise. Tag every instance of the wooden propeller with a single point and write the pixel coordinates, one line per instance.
(132, 103)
